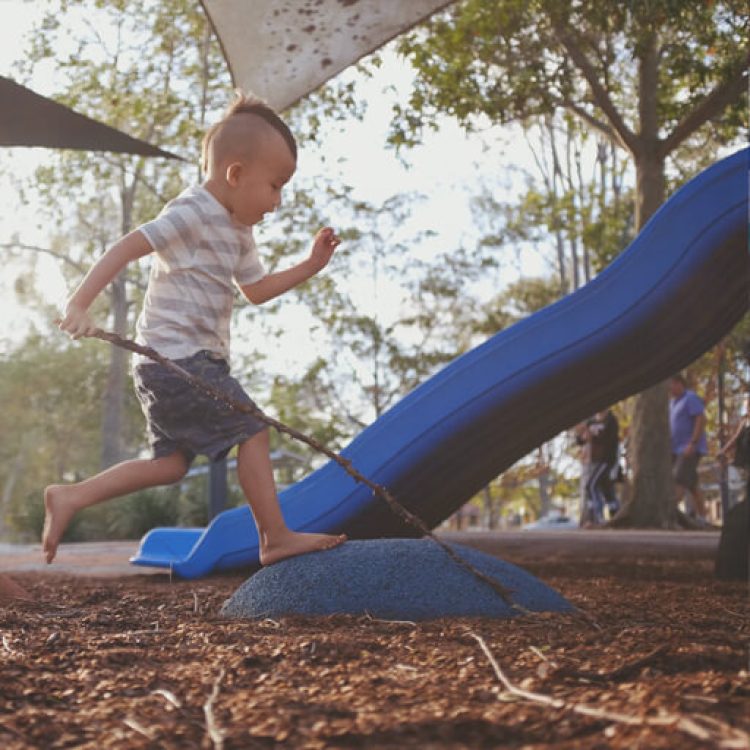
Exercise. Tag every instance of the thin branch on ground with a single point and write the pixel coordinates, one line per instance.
(137, 727)
(168, 696)
(724, 736)
(215, 734)
(613, 674)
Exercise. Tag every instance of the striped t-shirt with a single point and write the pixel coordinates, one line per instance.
(200, 253)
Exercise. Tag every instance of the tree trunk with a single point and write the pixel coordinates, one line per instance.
(545, 482)
(490, 516)
(114, 392)
(652, 493)
(16, 468)
(652, 499)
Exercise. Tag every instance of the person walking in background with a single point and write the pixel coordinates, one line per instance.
(599, 437)
(612, 459)
(580, 434)
(687, 422)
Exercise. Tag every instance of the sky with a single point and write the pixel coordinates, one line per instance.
(448, 170)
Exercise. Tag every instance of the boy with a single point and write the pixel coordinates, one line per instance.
(203, 245)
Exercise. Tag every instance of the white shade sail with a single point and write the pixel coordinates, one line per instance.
(282, 50)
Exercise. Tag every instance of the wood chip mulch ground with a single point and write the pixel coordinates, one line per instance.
(659, 661)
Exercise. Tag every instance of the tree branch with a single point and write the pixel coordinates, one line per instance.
(595, 122)
(713, 103)
(623, 134)
(48, 251)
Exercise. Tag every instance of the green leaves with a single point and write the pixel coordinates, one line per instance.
(512, 60)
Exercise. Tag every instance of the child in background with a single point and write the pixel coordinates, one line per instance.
(203, 246)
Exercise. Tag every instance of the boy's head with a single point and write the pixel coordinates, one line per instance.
(249, 155)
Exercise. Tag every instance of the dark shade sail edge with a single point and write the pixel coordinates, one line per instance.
(31, 120)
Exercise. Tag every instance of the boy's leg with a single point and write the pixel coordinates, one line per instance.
(62, 501)
(276, 540)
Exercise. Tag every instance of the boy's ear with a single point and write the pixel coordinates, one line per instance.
(233, 173)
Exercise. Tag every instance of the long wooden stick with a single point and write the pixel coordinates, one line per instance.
(378, 489)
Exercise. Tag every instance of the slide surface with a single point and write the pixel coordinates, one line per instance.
(677, 290)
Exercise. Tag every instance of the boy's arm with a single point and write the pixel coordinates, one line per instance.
(274, 284)
(77, 321)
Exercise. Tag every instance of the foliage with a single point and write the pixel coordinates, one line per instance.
(369, 354)
(132, 516)
(48, 436)
(515, 60)
(96, 51)
(657, 78)
(383, 318)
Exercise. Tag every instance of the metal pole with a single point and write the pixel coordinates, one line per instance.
(217, 488)
(723, 467)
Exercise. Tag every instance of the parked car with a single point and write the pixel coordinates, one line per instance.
(552, 522)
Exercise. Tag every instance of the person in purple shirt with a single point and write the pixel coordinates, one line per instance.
(687, 422)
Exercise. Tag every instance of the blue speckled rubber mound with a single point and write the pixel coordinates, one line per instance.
(393, 579)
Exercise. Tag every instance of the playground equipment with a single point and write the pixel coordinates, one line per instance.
(677, 290)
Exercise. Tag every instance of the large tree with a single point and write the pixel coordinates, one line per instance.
(658, 78)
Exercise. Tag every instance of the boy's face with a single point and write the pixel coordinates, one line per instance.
(256, 183)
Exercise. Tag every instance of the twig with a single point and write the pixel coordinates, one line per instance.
(7, 646)
(701, 698)
(728, 738)
(169, 696)
(216, 735)
(269, 622)
(588, 619)
(538, 652)
(136, 726)
(613, 674)
(369, 617)
(379, 490)
(738, 615)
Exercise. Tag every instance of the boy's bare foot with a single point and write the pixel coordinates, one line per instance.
(58, 511)
(295, 543)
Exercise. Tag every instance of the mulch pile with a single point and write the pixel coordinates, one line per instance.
(659, 660)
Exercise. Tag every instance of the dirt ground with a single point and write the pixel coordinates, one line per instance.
(657, 659)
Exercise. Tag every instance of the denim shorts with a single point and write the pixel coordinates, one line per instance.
(181, 417)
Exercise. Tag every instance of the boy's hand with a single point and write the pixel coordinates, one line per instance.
(76, 322)
(324, 244)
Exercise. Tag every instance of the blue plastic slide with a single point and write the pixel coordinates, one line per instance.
(677, 290)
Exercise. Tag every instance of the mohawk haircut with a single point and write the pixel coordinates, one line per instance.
(251, 105)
